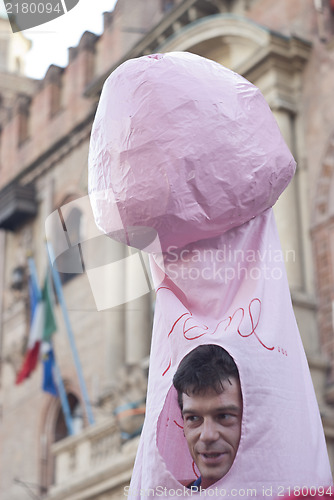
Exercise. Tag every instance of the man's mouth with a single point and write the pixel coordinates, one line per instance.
(212, 457)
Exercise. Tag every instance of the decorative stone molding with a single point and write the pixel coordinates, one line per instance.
(266, 58)
(213, 27)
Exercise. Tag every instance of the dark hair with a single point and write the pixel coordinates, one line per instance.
(206, 366)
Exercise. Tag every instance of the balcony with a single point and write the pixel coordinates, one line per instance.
(93, 464)
(17, 204)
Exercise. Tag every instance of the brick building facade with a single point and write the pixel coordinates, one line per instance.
(284, 47)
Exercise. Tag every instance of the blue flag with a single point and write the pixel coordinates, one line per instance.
(48, 360)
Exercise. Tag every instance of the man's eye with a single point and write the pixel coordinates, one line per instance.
(225, 416)
(192, 418)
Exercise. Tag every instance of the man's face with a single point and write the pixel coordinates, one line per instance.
(212, 428)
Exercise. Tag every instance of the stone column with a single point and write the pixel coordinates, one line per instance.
(287, 213)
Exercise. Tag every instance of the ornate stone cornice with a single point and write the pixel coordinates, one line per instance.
(270, 60)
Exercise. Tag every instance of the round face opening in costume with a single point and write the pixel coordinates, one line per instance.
(209, 396)
(212, 428)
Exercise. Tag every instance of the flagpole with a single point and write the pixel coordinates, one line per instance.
(60, 295)
(33, 274)
(59, 381)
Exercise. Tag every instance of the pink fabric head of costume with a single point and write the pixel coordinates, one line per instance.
(187, 158)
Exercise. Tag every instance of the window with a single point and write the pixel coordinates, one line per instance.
(23, 113)
(55, 430)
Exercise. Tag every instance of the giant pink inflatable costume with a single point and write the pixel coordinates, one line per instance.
(187, 157)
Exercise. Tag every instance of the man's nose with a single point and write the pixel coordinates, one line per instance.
(209, 431)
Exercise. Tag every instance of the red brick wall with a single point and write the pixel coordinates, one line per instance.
(323, 244)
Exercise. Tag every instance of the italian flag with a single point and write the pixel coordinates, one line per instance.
(42, 326)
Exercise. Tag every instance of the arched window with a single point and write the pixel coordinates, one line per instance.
(54, 430)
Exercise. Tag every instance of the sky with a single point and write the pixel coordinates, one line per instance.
(51, 40)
